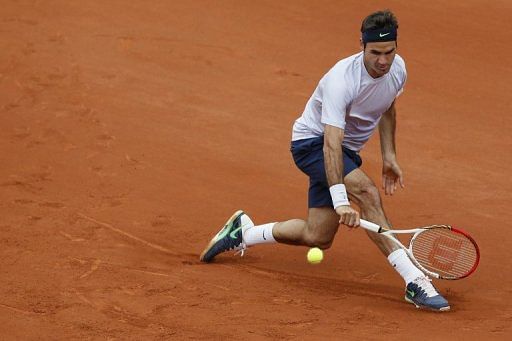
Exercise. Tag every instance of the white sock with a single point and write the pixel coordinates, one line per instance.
(403, 265)
(260, 234)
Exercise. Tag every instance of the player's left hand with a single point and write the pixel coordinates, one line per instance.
(391, 177)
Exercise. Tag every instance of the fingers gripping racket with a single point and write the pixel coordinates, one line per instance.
(440, 251)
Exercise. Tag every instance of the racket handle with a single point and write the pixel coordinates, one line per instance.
(370, 226)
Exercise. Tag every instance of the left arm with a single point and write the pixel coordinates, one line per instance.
(391, 172)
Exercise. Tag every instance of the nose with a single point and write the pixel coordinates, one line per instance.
(382, 60)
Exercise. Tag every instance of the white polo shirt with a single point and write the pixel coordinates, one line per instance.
(347, 97)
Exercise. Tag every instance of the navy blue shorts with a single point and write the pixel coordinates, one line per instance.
(308, 155)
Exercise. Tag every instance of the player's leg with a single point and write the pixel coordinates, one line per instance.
(319, 230)
(239, 232)
(363, 192)
(419, 290)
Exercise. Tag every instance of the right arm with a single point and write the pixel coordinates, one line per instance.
(333, 159)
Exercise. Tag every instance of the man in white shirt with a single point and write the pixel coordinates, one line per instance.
(354, 97)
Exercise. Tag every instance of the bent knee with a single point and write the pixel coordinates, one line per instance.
(368, 195)
(318, 240)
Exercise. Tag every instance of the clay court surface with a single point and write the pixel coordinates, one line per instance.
(130, 133)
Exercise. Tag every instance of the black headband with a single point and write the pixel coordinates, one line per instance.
(380, 34)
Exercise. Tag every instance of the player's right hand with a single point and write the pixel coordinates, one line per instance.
(348, 216)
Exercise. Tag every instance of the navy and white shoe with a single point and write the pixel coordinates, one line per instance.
(230, 237)
(423, 294)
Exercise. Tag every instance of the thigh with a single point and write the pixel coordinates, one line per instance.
(360, 186)
(323, 221)
(309, 158)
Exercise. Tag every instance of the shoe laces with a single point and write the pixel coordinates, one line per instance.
(425, 284)
(243, 246)
(241, 249)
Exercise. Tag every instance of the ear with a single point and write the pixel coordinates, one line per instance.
(361, 44)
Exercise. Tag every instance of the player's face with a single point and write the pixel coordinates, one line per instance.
(378, 57)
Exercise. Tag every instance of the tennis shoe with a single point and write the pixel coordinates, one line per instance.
(423, 294)
(230, 237)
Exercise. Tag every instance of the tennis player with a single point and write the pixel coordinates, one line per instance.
(354, 98)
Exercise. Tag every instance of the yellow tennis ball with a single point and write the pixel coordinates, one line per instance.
(315, 255)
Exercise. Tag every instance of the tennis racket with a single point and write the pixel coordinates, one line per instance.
(440, 251)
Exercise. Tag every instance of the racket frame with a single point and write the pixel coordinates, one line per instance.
(415, 232)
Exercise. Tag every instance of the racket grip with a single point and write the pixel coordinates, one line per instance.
(370, 226)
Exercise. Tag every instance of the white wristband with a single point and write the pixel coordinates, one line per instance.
(339, 195)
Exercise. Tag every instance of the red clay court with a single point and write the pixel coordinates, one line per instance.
(130, 133)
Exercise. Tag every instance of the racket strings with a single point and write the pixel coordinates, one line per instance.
(448, 253)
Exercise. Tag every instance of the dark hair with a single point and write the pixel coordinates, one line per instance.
(379, 20)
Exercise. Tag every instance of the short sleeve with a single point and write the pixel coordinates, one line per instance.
(335, 100)
(402, 76)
